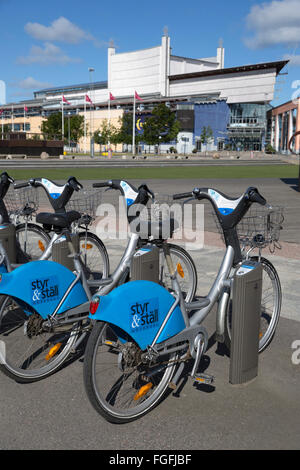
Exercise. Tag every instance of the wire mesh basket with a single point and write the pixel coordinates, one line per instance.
(17, 199)
(86, 202)
(260, 227)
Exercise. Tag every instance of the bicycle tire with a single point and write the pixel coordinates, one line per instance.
(96, 379)
(29, 359)
(265, 339)
(186, 272)
(90, 248)
(32, 246)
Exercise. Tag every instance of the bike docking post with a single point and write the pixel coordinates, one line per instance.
(145, 264)
(245, 328)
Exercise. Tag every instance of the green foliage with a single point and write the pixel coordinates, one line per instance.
(51, 128)
(106, 133)
(162, 126)
(206, 135)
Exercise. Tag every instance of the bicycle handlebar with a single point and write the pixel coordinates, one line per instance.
(21, 185)
(183, 195)
(58, 195)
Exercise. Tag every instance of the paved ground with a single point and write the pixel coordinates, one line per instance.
(55, 413)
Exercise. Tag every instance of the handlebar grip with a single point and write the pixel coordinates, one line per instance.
(254, 196)
(21, 185)
(182, 195)
(101, 185)
(72, 181)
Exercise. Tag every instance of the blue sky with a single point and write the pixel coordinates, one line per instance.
(54, 43)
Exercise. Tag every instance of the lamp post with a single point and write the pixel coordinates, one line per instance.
(69, 129)
(91, 70)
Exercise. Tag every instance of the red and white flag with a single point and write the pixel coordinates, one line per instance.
(64, 100)
(25, 109)
(111, 97)
(88, 99)
(137, 97)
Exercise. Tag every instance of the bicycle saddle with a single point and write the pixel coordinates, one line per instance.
(158, 230)
(61, 220)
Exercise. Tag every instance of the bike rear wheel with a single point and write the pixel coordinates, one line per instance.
(120, 384)
(27, 351)
(94, 256)
(186, 271)
(270, 306)
(32, 240)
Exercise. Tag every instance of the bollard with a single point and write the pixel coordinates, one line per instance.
(145, 264)
(245, 328)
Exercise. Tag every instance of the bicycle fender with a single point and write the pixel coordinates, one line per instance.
(139, 309)
(41, 285)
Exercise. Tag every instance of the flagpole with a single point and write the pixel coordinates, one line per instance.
(12, 118)
(133, 127)
(62, 120)
(108, 142)
(85, 124)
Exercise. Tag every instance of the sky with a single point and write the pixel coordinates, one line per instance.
(54, 43)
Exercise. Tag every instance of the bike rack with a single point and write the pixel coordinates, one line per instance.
(245, 327)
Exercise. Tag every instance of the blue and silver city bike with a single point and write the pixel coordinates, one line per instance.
(44, 308)
(144, 335)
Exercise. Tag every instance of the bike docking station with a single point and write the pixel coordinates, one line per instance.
(245, 328)
(61, 252)
(145, 264)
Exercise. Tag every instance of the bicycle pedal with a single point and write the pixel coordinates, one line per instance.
(204, 379)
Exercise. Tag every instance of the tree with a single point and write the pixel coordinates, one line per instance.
(206, 135)
(51, 128)
(124, 135)
(106, 133)
(161, 126)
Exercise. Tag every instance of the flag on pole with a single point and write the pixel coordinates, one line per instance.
(65, 100)
(88, 99)
(111, 97)
(1, 111)
(137, 97)
(25, 109)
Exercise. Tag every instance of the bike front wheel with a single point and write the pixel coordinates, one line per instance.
(270, 306)
(28, 352)
(121, 384)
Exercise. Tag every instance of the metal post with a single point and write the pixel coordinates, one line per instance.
(133, 127)
(91, 70)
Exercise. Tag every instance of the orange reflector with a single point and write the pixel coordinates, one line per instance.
(41, 245)
(260, 335)
(142, 391)
(88, 246)
(53, 351)
(180, 270)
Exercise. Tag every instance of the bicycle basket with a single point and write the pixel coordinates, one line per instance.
(259, 227)
(17, 199)
(86, 202)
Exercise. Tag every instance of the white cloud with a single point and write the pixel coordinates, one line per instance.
(60, 30)
(293, 58)
(30, 83)
(274, 23)
(47, 55)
